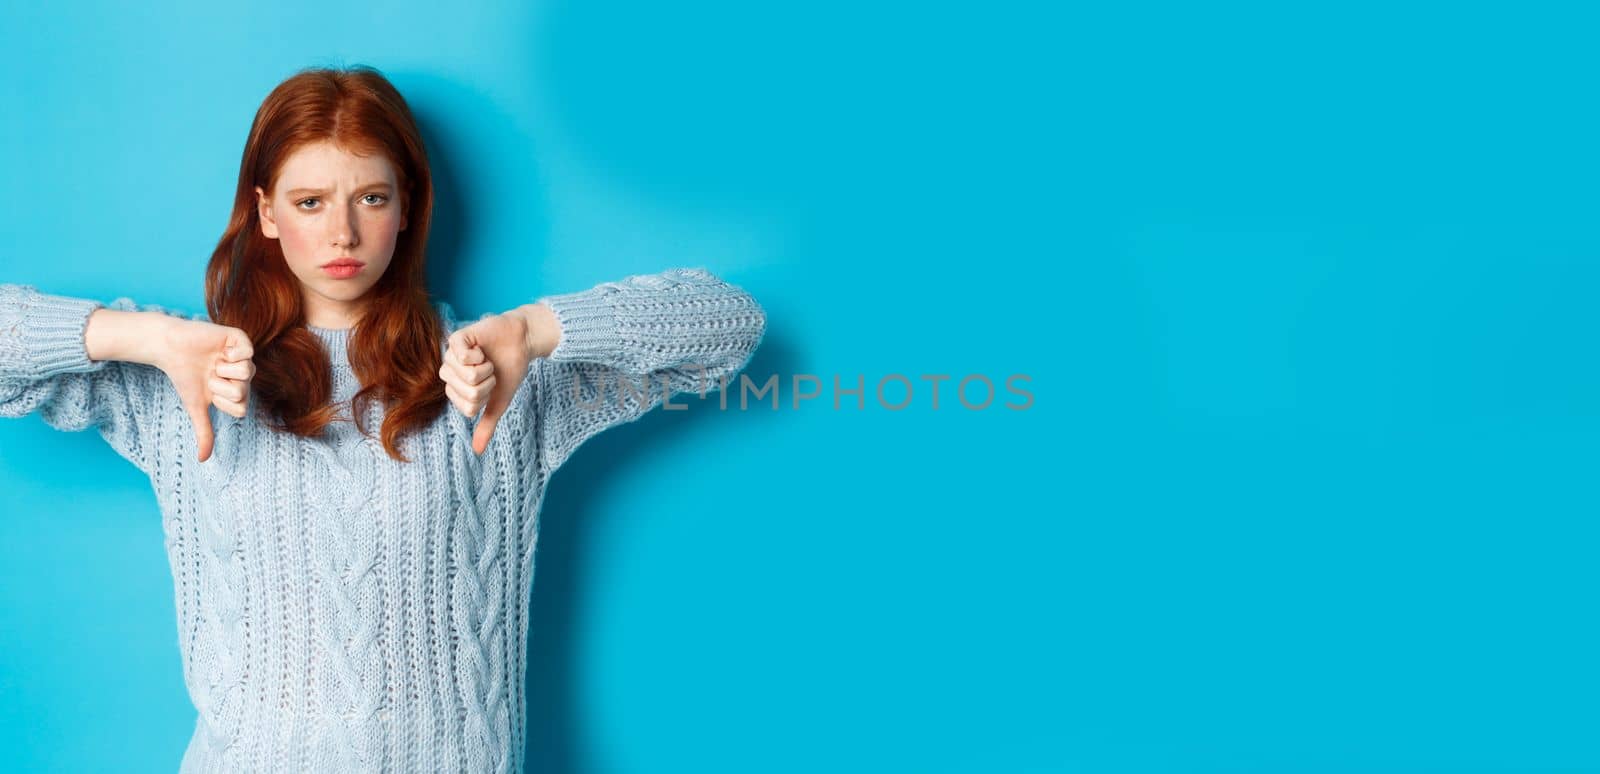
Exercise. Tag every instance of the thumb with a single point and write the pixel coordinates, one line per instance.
(200, 416)
(491, 417)
(483, 432)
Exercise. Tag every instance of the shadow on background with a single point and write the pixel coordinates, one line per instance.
(567, 523)
(448, 231)
(457, 123)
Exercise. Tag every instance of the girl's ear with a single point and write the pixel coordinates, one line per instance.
(269, 227)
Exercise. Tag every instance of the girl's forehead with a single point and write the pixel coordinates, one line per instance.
(325, 165)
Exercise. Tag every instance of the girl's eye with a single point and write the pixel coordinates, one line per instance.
(380, 200)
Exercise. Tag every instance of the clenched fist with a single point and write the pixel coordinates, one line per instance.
(210, 365)
(486, 362)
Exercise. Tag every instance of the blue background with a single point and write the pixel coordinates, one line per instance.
(1306, 296)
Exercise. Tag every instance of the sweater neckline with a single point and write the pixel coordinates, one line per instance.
(335, 340)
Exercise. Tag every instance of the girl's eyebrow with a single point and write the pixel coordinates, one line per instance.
(302, 191)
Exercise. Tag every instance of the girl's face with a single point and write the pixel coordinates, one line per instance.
(327, 205)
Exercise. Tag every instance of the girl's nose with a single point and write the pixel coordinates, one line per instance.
(344, 228)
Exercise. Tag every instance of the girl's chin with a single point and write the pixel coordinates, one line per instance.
(336, 290)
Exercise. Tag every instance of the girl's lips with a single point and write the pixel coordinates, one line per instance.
(343, 269)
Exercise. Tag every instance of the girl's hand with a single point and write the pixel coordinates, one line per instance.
(209, 365)
(484, 364)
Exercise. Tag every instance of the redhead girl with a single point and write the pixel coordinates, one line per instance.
(348, 476)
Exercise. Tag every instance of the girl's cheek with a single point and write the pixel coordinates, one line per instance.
(297, 245)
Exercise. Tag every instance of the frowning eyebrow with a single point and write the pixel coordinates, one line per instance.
(317, 191)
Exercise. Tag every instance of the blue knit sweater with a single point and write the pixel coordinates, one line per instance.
(340, 611)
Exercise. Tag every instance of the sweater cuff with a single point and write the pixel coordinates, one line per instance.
(55, 327)
(588, 326)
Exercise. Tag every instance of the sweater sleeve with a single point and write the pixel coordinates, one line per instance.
(45, 368)
(627, 346)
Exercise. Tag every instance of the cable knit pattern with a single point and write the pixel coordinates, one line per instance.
(339, 611)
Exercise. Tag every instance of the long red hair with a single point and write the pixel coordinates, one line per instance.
(395, 347)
